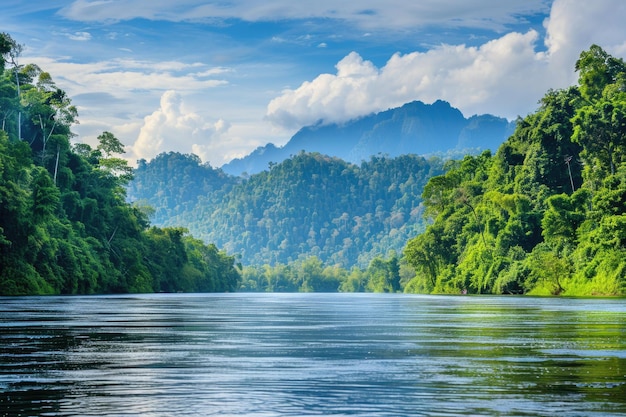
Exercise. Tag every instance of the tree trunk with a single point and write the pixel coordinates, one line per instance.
(56, 164)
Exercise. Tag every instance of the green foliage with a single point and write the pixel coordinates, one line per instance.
(172, 183)
(109, 145)
(312, 275)
(65, 227)
(597, 69)
(546, 214)
(309, 205)
(563, 217)
(383, 275)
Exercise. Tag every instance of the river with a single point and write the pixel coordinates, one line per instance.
(311, 355)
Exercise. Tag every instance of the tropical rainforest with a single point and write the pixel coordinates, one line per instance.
(65, 225)
(308, 205)
(545, 214)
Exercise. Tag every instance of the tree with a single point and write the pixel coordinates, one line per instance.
(563, 217)
(11, 50)
(5, 49)
(599, 124)
(383, 275)
(599, 128)
(109, 145)
(45, 196)
(597, 69)
(51, 110)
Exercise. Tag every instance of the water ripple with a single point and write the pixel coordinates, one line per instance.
(311, 354)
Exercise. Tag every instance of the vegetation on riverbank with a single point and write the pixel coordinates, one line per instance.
(65, 227)
(546, 214)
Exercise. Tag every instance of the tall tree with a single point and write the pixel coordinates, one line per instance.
(109, 146)
(597, 69)
(11, 50)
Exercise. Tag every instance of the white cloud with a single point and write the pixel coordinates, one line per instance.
(212, 72)
(123, 77)
(173, 126)
(506, 76)
(79, 36)
(573, 26)
(125, 89)
(495, 77)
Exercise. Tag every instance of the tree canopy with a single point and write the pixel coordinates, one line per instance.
(308, 205)
(547, 213)
(65, 227)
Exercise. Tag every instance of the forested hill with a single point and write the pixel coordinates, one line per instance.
(414, 128)
(172, 183)
(65, 227)
(308, 205)
(547, 213)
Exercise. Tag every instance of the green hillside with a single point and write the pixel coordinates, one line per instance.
(547, 213)
(65, 227)
(308, 205)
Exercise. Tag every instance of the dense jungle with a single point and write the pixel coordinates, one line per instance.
(65, 226)
(545, 214)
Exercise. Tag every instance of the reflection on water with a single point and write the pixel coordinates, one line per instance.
(311, 354)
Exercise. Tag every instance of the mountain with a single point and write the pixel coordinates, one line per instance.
(343, 193)
(172, 183)
(308, 205)
(414, 128)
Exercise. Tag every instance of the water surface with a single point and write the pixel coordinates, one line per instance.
(312, 354)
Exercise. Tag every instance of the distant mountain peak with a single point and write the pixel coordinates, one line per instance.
(413, 128)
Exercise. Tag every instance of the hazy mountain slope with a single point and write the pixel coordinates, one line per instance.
(414, 128)
(307, 205)
(172, 182)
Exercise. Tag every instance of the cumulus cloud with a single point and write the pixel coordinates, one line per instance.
(470, 78)
(506, 76)
(120, 95)
(574, 26)
(173, 126)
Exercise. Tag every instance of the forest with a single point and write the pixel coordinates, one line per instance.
(545, 215)
(65, 225)
(308, 205)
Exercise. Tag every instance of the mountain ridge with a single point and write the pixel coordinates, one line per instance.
(413, 128)
(308, 205)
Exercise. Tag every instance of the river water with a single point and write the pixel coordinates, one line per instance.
(311, 355)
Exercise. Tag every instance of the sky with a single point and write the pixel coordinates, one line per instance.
(221, 78)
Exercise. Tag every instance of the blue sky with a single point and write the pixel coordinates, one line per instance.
(220, 78)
